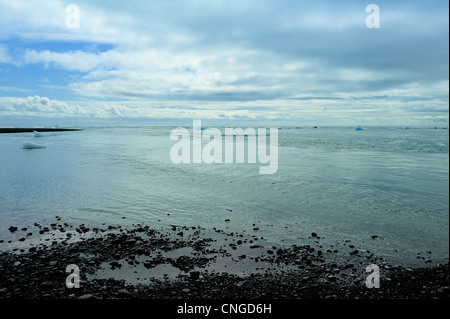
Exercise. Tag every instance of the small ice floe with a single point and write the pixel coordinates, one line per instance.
(32, 146)
(406, 128)
(37, 134)
(358, 128)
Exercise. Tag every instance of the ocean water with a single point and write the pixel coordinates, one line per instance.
(340, 183)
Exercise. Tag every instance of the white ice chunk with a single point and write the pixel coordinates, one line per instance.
(32, 146)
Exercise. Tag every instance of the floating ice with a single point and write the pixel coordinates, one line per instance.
(32, 146)
(37, 134)
(358, 128)
(406, 128)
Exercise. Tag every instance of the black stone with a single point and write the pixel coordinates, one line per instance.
(194, 275)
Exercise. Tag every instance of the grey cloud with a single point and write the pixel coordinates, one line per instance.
(316, 52)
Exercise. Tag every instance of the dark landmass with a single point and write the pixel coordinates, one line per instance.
(139, 262)
(31, 130)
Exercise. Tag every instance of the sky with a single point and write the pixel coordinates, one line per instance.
(285, 61)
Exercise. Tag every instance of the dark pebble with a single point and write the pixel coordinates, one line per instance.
(124, 293)
(46, 285)
(12, 229)
(194, 275)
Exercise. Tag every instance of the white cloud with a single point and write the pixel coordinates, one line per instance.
(46, 20)
(32, 105)
(129, 74)
(72, 61)
(5, 57)
(311, 112)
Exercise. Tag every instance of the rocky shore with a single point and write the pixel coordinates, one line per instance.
(7, 130)
(139, 262)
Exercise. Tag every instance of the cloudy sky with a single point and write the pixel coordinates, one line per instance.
(305, 62)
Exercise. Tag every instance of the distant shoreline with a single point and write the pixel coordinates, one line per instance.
(31, 130)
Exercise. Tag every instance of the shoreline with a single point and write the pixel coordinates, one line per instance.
(6, 130)
(138, 262)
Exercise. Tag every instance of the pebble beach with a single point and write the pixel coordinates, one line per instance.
(138, 262)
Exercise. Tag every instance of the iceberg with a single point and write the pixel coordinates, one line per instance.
(358, 128)
(37, 134)
(406, 128)
(32, 146)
